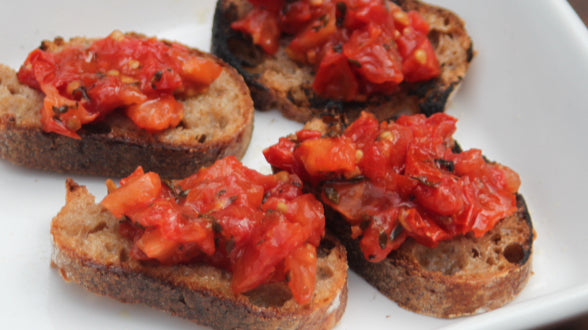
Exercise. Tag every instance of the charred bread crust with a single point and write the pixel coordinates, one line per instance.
(88, 250)
(279, 82)
(462, 276)
(217, 123)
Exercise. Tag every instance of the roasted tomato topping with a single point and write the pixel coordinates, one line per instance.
(358, 48)
(394, 180)
(262, 228)
(143, 76)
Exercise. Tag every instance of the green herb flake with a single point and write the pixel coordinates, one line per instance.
(81, 90)
(425, 181)
(354, 62)
(58, 110)
(396, 232)
(445, 164)
(383, 240)
(216, 227)
(331, 194)
(157, 76)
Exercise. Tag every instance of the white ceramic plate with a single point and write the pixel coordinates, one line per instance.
(524, 102)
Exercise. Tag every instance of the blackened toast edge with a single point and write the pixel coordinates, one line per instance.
(183, 290)
(448, 35)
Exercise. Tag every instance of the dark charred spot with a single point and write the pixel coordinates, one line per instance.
(250, 55)
(470, 52)
(435, 98)
(342, 11)
(325, 247)
(97, 128)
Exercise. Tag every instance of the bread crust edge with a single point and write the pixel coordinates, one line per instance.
(157, 287)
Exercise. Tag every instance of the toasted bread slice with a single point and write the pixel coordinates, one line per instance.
(462, 276)
(216, 123)
(279, 82)
(88, 250)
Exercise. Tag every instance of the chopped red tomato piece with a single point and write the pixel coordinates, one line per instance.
(262, 25)
(200, 70)
(155, 246)
(294, 15)
(421, 64)
(141, 190)
(306, 45)
(301, 267)
(375, 60)
(335, 79)
(321, 156)
(156, 115)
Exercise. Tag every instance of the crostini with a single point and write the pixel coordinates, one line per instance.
(440, 231)
(308, 58)
(227, 247)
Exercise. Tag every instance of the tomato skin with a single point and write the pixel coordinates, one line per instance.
(280, 156)
(307, 43)
(360, 13)
(377, 241)
(320, 155)
(445, 199)
(262, 25)
(258, 227)
(426, 232)
(367, 47)
(271, 5)
(139, 191)
(156, 115)
(272, 243)
(406, 182)
(154, 246)
(294, 16)
(306, 134)
(363, 130)
(82, 85)
(335, 78)
(301, 267)
(511, 179)
(422, 64)
(68, 120)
